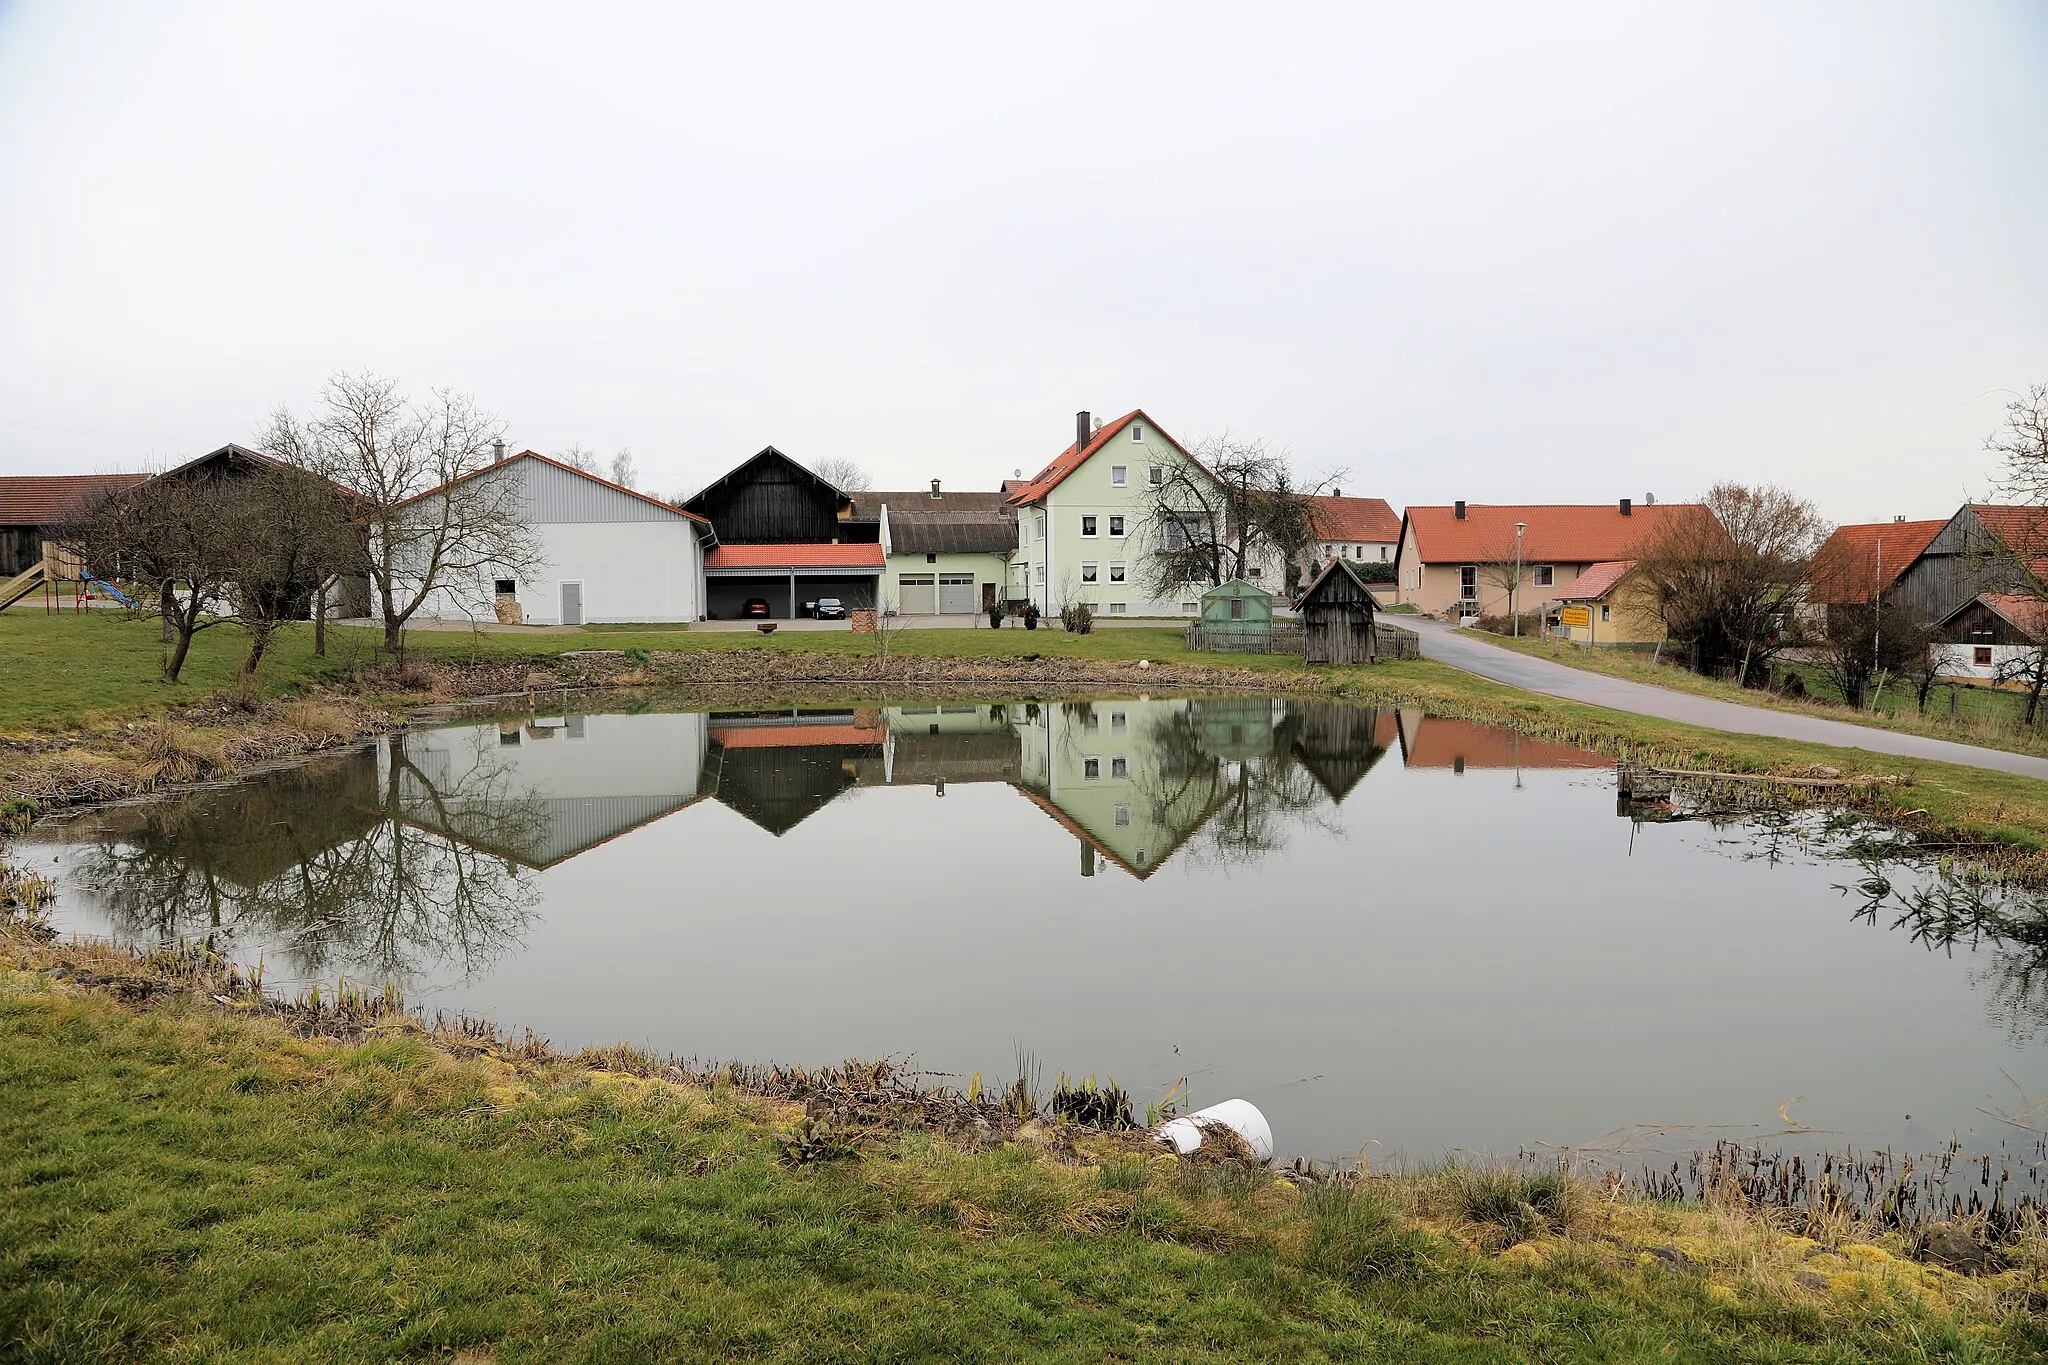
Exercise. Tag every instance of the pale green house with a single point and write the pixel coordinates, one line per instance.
(1085, 521)
(945, 554)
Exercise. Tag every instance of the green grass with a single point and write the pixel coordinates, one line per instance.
(185, 1184)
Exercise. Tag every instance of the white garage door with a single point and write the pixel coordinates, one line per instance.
(956, 594)
(916, 595)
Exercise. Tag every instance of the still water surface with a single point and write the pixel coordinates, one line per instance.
(1382, 927)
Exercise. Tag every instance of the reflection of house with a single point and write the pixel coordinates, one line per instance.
(779, 770)
(541, 792)
(786, 537)
(1439, 742)
(1339, 744)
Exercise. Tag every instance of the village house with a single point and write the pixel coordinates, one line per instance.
(606, 553)
(1459, 560)
(1085, 522)
(1993, 637)
(945, 553)
(1983, 548)
(34, 508)
(1865, 560)
(1360, 530)
(785, 540)
(1611, 604)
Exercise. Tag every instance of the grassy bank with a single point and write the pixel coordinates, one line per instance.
(1985, 716)
(186, 1179)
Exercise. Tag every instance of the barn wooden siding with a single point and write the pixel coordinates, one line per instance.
(1337, 618)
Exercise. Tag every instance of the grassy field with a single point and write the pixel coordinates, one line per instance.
(187, 1182)
(1983, 716)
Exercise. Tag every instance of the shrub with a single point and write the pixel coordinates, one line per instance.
(1031, 616)
(1353, 1235)
(995, 616)
(1078, 618)
(1519, 1204)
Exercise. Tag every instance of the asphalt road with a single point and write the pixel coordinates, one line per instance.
(1463, 649)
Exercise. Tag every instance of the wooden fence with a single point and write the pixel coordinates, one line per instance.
(1285, 637)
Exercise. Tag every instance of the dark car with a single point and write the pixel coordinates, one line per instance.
(754, 606)
(829, 609)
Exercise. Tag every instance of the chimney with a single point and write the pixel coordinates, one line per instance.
(1458, 509)
(1083, 433)
(935, 488)
(1336, 492)
(498, 451)
(1627, 508)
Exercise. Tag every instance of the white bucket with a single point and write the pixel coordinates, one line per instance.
(1240, 1116)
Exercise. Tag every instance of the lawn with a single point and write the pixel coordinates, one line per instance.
(190, 1184)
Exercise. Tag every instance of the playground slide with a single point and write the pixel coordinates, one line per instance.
(110, 590)
(20, 586)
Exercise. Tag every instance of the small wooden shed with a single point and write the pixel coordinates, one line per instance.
(1337, 617)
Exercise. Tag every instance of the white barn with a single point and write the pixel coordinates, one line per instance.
(606, 553)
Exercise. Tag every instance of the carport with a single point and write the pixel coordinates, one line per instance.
(787, 576)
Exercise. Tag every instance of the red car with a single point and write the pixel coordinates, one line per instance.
(754, 606)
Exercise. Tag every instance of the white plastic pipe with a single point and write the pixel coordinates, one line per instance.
(1240, 1116)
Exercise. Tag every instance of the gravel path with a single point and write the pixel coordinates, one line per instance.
(1463, 649)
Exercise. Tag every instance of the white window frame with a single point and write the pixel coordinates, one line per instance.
(1606, 613)
(1137, 431)
(1089, 572)
(1117, 608)
(1119, 768)
(1116, 525)
(1468, 592)
(1156, 475)
(1117, 475)
(1116, 572)
(1088, 525)
(1122, 816)
(1542, 575)
(1091, 768)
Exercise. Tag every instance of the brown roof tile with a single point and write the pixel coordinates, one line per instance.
(47, 499)
(1557, 534)
(1858, 558)
(1355, 519)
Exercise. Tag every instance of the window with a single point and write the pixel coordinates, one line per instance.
(1141, 857)
(1468, 583)
(1383, 554)
(507, 588)
(1116, 475)
(1326, 552)
(1041, 575)
(1543, 575)
(1252, 572)
(1173, 535)
(1606, 613)
(1088, 526)
(1187, 608)
(1116, 573)
(1123, 817)
(1116, 526)
(1091, 721)
(1116, 609)
(1119, 720)
(1981, 656)
(1119, 766)
(1087, 573)
(1137, 431)
(931, 559)
(1156, 475)
(1091, 769)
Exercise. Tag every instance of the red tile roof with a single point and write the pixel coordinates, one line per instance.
(1557, 534)
(1597, 581)
(1070, 459)
(1856, 559)
(1355, 519)
(46, 499)
(2028, 615)
(580, 473)
(794, 557)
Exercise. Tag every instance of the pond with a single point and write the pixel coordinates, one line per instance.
(1391, 931)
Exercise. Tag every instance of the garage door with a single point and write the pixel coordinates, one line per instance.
(916, 595)
(956, 594)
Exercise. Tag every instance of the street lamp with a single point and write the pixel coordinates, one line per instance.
(1520, 527)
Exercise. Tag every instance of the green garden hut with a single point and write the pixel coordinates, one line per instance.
(1237, 615)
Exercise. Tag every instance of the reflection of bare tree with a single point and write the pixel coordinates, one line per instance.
(1957, 908)
(1242, 785)
(346, 870)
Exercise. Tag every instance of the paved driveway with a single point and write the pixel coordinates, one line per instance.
(1464, 649)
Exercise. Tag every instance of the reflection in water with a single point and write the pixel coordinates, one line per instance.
(1379, 926)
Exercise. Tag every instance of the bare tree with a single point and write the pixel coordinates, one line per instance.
(843, 474)
(1502, 568)
(292, 534)
(2019, 549)
(175, 539)
(367, 436)
(1866, 644)
(1728, 574)
(578, 456)
(624, 472)
(1237, 504)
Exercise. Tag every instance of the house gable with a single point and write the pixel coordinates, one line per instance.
(771, 499)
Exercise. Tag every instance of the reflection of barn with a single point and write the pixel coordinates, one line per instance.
(1339, 744)
(779, 770)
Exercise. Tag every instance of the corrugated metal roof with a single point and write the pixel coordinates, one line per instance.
(951, 533)
(47, 499)
(868, 506)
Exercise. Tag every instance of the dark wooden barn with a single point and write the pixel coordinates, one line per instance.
(773, 500)
(1337, 617)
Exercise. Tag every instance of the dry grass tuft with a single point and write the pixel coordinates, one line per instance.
(170, 753)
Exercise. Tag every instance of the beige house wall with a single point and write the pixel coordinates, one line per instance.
(1630, 616)
(1435, 589)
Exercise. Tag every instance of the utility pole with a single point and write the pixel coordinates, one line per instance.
(1520, 527)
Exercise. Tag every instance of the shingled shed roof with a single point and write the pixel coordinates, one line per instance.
(47, 499)
(919, 533)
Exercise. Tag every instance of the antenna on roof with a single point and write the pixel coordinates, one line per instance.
(1649, 499)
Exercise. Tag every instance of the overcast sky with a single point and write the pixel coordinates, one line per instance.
(1463, 251)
